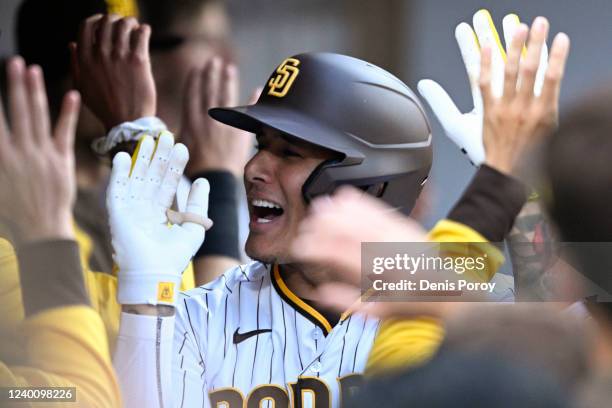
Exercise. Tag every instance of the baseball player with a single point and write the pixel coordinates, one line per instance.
(253, 335)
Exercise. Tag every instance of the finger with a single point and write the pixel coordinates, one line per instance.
(65, 129)
(229, 86)
(510, 25)
(39, 107)
(104, 39)
(141, 49)
(485, 76)
(176, 217)
(255, 96)
(74, 64)
(529, 64)
(141, 159)
(124, 28)
(442, 106)
(117, 192)
(515, 49)
(487, 35)
(18, 102)
(86, 36)
(4, 132)
(197, 202)
(159, 164)
(556, 69)
(212, 76)
(178, 160)
(470, 53)
(543, 66)
(192, 103)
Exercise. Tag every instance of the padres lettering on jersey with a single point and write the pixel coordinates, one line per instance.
(246, 340)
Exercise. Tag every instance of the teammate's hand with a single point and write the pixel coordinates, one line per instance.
(112, 69)
(517, 119)
(332, 235)
(37, 172)
(151, 254)
(465, 130)
(213, 145)
(336, 226)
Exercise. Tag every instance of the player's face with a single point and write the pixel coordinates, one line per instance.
(273, 179)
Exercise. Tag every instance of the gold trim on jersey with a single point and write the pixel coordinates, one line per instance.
(301, 306)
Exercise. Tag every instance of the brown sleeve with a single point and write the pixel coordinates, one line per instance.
(51, 275)
(490, 203)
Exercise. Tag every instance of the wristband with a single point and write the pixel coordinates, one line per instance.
(128, 132)
(157, 287)
(222, 239)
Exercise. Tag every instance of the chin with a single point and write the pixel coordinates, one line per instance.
(263, 253)
(259, 254)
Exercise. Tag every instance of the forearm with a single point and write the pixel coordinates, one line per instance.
(482, 216)
(64, 338)
(490, 204)
(143, 358)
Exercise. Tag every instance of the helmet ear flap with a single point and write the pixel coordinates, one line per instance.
(309, 191)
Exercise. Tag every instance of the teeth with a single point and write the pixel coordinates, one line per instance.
(263, 221)
(264, 203)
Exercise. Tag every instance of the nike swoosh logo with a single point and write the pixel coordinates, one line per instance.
(240, 337)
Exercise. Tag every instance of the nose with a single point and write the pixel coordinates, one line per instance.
(259, 169)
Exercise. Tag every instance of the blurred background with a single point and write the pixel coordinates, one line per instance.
(413, 39)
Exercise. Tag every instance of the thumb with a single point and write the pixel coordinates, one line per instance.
(441, 104)
(197, 203)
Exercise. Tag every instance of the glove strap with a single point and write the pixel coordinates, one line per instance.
(148, 288)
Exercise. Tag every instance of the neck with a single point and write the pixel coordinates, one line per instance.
(303, 279)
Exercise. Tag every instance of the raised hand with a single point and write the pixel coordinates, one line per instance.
(518, 118)
(151, 254)
(336, 226)
(37, 171)
(112, 69)
(465, 129)
(213, 145)
(332, 235)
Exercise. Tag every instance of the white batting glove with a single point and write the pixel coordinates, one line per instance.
(465, 129)
(151, 253)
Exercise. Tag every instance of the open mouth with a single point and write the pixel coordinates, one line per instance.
(264, 211)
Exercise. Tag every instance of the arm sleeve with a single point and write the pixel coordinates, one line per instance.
(160, 360)
(403, 343)
(490, 204)
(63, 339)
(143, 359)
(66, 347)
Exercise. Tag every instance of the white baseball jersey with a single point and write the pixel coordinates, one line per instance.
(243, 340)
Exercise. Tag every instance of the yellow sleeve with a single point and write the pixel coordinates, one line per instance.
(101, 287)
(66, 347)
(402, 343)
(467, 242)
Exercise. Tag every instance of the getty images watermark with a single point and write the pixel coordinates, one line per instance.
(470, 271)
